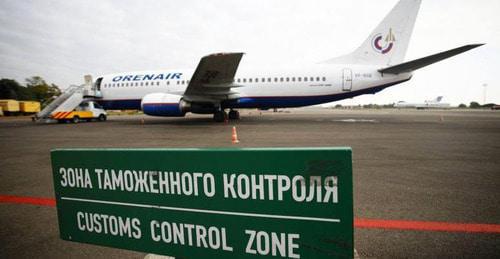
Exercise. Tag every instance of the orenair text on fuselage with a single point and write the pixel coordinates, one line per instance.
(153, 76)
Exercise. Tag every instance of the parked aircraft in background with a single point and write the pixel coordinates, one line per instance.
(428, 104)
(216, 85)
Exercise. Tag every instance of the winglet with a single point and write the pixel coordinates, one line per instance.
(422, 62)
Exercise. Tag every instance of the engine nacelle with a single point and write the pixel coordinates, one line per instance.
(162, 104)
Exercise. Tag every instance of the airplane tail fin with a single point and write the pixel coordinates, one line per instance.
(388, 43)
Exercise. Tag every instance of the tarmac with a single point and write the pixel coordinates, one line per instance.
(430, 165)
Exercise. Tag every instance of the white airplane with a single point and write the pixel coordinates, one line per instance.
(428, 104)
(216, 85)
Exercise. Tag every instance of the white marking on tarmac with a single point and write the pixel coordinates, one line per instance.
(357, 120)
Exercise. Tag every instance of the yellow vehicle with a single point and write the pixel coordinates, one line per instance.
(29, 107)
(86, 111)
(9, 106)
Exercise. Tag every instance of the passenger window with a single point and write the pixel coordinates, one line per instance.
(317, 79)
(256, 80)
(269, 79)
(311, 79)
(324, 78)
(293, 79)
(168, 82)
(177, 81)
(142, 83)
(305, 79)
(244, 80)
(287, 79)
(250, 80)
(299, 79)
(238, 80)
(275, 79)
(147, 83)
(281, 79)
(263, 80)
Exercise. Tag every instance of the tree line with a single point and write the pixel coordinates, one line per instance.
(36, 89)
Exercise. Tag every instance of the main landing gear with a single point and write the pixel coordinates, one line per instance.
(221, 115)
(234, 115)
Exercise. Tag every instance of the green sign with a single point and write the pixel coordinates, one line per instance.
(192, 203)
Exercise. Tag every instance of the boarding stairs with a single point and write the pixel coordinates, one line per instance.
(68, 100)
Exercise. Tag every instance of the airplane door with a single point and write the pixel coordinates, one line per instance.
(97, 85)
(346, 79)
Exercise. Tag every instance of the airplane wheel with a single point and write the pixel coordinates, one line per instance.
(220, 116)
(234, 115)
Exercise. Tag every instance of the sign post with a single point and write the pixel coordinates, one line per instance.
(227, 203)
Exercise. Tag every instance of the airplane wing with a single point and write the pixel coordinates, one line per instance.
(213, 78)
(422, 62)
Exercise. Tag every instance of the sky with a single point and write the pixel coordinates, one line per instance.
(62, 41)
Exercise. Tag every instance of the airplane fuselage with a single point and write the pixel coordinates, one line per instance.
(290, 87)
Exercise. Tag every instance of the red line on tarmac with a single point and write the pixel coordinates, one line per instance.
(358, 223)
(426, 226)
(27, 200)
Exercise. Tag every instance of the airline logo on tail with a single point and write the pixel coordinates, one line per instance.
(382, 45)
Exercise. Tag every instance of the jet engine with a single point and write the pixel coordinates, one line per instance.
(163, 104)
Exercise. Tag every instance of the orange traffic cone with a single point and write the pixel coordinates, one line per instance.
(234, 137)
